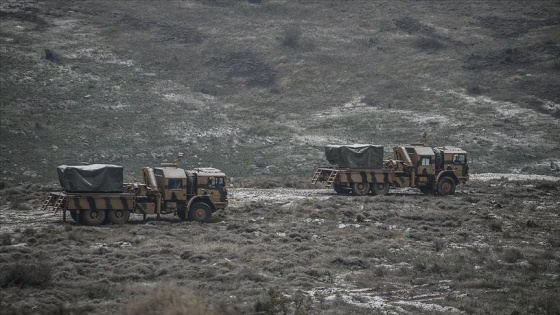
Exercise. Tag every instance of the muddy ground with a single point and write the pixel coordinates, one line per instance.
(493, 248)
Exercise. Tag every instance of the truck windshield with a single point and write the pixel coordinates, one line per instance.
(175, 183)
(216, 181)
(459, 159)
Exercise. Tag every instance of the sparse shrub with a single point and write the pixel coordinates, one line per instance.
(548, 254)
(51, 55)
(546, 304)
(412, 25)
(512, 255)
(496, 226)
(248, 66)
(439, 244)
(169, 299)
(29, 232)
(532, 223)
(371, 100)
(5, 239)
(428, 44)
(28, 274)
(292, 35)
(476, 90)
(302, 303)
(273, 303)
(360, 218)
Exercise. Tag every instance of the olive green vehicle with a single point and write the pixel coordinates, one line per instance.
(189, 194)
(432, 170)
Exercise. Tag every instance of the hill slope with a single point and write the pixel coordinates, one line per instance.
(261, 87)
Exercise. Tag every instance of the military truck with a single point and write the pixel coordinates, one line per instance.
(95, 194)
(360, 169)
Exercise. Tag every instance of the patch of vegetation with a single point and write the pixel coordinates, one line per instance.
(26, 274)
(170, 299)
(291, 36)
(429, 44)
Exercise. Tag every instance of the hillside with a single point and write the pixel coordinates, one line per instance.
(258, 87)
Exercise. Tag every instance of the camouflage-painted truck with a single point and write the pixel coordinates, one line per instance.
(95, 194)
(360, 169)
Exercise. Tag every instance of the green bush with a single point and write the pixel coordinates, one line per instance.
(30, 274)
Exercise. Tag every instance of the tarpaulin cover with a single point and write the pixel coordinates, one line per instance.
(91, 178)
(355, 155)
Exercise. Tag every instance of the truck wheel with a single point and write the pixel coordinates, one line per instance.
(446, 186)
(360, 189)
(341, 190)
(200, 212)
(181, 213)
(74, 215)
(380, 188)
(118, 216)
(92, 216)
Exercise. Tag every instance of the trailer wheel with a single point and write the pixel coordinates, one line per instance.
(360, 189)
(380, 188)
(92, 216)
(341, 190)
(118, 216)
(446, 186)
(200, 212)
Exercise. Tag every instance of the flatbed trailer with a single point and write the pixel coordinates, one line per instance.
(432, 170)
(90, 208)
(358, 181)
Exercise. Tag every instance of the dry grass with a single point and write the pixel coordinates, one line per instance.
(326, 254)
(170, 299)
(300, 67)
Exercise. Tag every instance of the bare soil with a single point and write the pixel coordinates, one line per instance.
(487, 249)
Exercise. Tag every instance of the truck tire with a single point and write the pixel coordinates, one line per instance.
(200, 212)
(118, 216)
(360, 189)
(341, 190)
(92, 216)
(446, 186)
(380, 188)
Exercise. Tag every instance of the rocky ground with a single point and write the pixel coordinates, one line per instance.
(486, 249)
(259, 87)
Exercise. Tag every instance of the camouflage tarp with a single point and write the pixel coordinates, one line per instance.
(91, 178)
(355, 155)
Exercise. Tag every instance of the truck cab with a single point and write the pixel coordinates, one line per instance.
(209, 182)
(172, 184)
(192, 195)
(433, 169)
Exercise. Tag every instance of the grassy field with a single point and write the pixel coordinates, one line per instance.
(257, 88)
(486, 250)
(238, 83)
